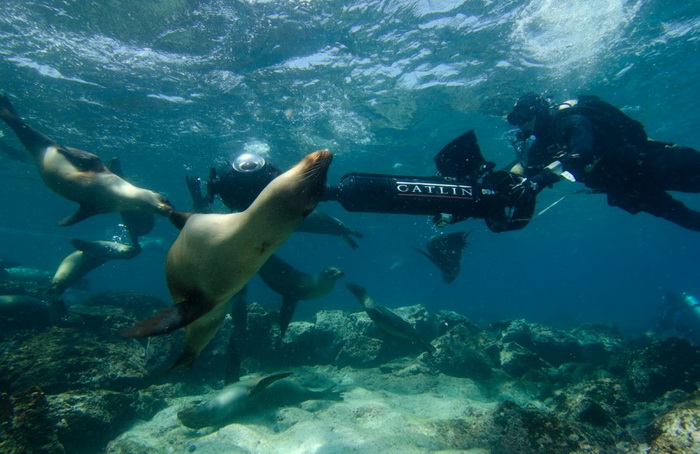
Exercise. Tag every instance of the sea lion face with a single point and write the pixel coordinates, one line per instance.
(293, 195)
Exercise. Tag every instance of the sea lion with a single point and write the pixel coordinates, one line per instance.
(322, 223)
(248, 396)
(87, 257)
(386, 319)
(234, 400)
(24, 310)
(445, 251)
(80, 176)
(215, 255)
(295, 285)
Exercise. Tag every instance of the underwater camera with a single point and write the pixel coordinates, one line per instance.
(466, 186)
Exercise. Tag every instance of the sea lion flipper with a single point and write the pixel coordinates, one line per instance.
(179, 218)
(137, 223)
(34, 141)
(167, 320)
(267, 381)
(351, 242)
(82, 213)
(82, 160)
(357, 290)
(289, 305)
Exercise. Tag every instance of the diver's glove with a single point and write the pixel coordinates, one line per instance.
(530, 187)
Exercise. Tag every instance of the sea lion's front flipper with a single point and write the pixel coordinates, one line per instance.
(267, 381)
(168, 320)
(289, 305)
(179, 218)
(82, 160)
(82, 213)
(137, 223)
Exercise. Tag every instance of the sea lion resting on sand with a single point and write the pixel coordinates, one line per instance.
(80, 176)
(215, 255)
(247, 396)
(295, 285)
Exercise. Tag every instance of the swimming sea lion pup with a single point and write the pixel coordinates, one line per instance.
(87, 256)
(322, 223)
(386, 319)
(295, 285)
(215, 255)
(80, 176)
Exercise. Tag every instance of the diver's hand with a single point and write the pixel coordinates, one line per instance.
(530, 187)
(199, 205)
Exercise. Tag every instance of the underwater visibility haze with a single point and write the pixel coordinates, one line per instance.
(175, 87)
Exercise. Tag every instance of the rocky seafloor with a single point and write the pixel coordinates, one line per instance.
(510, 387)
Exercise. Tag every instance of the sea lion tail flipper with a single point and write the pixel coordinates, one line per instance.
(167, 320)
(6, 108)
(289, 305)
(179, 218)
(82, 213)
(267, 381)
(357, 290)
(33, 140)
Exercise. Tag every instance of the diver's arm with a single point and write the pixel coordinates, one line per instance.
(199, 203)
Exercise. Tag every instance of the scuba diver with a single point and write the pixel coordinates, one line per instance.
(591, 141)
(679, 315)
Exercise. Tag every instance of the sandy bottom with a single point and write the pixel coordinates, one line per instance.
(382, 411)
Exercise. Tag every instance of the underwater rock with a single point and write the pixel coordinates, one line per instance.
(443, 321)
(26, 424)
(516, 360)
(460, 353)
(61, 359)
(554, 346)
(663, 366)
(600, 402)
(677, 430)
(89, 420)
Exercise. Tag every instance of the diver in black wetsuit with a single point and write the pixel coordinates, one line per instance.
(595, 143)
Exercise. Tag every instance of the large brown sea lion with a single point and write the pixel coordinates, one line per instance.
(386, 319)
(80, 176)
(295, 285)
(215, 255)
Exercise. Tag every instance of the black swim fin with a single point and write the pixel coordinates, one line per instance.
(167, 320)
